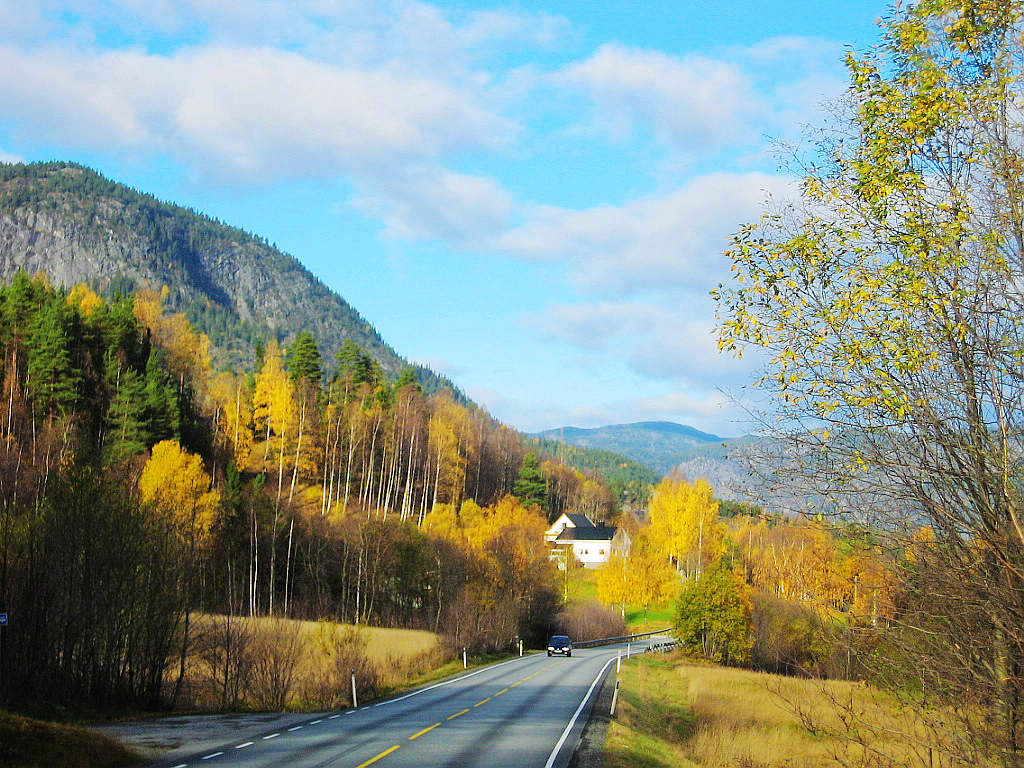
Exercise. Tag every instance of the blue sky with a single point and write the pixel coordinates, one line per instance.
(532, 198)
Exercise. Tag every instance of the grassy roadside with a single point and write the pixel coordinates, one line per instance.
(677, 713)
(27, 743)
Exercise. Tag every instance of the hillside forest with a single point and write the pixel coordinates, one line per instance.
(138, 485)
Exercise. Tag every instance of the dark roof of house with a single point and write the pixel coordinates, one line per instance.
(593, 533)
(579, 520)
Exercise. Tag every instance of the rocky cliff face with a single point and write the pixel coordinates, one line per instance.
(75, 226)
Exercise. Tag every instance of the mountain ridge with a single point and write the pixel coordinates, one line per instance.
(75, 225)
(658, 445)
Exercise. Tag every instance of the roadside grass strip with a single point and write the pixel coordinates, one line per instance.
(676, 713)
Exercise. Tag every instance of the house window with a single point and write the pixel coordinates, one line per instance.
(601, 552)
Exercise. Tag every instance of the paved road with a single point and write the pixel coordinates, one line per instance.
(527, 712)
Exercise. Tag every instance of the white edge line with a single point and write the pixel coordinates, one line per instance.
(296, 728)
(181, 765)
(243, 746)
(215, 754)
(449, 682)
(271, 736)
(565, 733)
(334, 717)
(316, 721)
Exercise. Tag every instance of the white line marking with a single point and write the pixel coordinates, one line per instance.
(210, 757)
(181, 765)
(316, 721)
(351, 712)
(296, 728)
(271, 736)
(243, 746)
(565, 733)
(449, 682)
(334, 717)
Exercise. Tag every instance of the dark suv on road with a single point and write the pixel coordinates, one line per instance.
(560, 644)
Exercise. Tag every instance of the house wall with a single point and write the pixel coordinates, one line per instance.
(592, 553)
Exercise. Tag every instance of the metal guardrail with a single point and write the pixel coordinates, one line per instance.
(665, 647)
(623, 639)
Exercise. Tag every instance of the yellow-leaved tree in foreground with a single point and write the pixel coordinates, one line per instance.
(174, 484)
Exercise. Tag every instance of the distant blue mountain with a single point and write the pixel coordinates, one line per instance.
(660, 445)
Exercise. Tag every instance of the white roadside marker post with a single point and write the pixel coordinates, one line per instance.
(465, 658)
(615, 698)
(355, 704)
(618, 661)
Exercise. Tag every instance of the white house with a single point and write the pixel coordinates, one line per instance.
(591, 544)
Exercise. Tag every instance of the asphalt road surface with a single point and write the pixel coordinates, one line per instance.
(527, 712)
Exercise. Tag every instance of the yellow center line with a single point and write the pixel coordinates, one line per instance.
(450, 717)
(515, 684)
(428, 729)
(373, 760)
(481, 703)
(503, 690)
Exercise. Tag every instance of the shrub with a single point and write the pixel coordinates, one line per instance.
(275, 659)
(713, 616)
(226, 652)
(589, 621)
(345, 650)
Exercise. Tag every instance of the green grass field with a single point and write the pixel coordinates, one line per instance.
(582, 586)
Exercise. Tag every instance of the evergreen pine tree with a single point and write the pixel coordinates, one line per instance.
(408, 378)
(163, 412)
(530, 487)
(304, 360)
(53, 380)
(125, 432)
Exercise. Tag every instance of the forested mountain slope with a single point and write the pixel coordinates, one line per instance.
(75, 226)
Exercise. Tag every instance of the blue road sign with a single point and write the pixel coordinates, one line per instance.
(3, 619)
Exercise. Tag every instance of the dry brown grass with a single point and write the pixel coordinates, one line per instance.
(28, 743)
(676, 712)
(281, 663)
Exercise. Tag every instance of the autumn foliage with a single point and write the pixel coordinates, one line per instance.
(302, 488)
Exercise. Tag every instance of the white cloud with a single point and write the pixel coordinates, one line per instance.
(363, 32)
(675, 343)
(675, 240)
(246, 112)
(693, 102)
(805, 50)
(432, 202)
